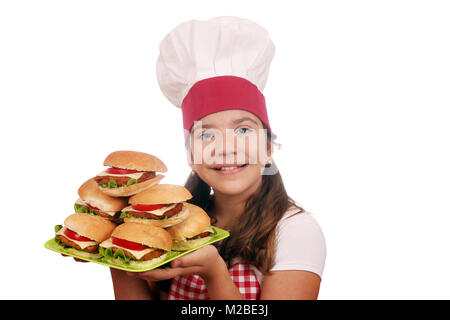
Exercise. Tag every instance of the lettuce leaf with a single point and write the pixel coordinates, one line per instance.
(57, 228)
(84, 209)
(123, 214)
(131, 181)
(119, 258)
(113, 184)
(110, 184)
(109, 254)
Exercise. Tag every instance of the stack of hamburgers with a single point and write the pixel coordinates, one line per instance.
(125, 217)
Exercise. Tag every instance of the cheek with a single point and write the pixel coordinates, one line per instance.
(254, 150)
(249, 178)
(202, 152)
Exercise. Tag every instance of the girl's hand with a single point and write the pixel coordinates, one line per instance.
(205, 262)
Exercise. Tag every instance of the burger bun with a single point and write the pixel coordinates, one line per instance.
(145, 234)
(134, 160)
(90, 226)
(90, 192)
(161, 194)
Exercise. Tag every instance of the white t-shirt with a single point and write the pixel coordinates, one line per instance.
(300, 245)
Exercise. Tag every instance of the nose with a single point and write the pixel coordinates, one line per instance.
(226, 150)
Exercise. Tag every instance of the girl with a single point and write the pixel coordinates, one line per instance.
(215, 71)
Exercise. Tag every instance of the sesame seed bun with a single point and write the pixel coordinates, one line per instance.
(90, 226)
(145, 234)
(90, 193)
(161, 194)
(134, 160)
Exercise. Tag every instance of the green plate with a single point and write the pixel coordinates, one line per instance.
(219, 234)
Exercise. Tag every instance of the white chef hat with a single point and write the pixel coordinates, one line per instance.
(215, 65)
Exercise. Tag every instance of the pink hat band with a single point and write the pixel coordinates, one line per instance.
(222, 93)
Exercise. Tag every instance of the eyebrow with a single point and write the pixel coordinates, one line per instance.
(234, 122)
(237, 121)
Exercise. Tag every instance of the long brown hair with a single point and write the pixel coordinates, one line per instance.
(253, 239)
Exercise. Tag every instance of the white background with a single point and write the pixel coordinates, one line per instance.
(358, 94)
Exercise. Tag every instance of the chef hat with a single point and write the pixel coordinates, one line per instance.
(215, 65)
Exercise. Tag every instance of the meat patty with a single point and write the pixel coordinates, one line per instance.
(90, 249)
(123, 180)
(148, 256)
(148, 215)
(200, 235)
(105, 215)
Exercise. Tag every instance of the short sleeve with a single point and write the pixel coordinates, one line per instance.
(300, 244)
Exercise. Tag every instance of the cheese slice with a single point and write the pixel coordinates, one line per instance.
(137, 253)
(82, 202)
(136, 175)
(208, 229)
(82, 244)
(157, 212)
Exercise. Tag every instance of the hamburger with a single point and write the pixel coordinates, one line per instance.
(162, 205)
(191, 232)
(82, 233)
(129, 172)
(96, 202)
(136, 245)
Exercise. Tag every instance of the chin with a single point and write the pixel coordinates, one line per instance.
(231, 187)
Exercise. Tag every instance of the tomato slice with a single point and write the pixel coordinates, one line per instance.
(92, 207)
(75, 236)
(147, 207)
(115, 170)
(128, 244)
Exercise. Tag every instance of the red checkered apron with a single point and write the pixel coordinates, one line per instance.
(192, 287)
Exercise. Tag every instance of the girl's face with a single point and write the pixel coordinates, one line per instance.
(229, 150)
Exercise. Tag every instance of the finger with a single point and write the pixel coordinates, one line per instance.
(196, 258)
(187, 270)
(164, 274)
(176, 263)
(189, 260)
(154, 275)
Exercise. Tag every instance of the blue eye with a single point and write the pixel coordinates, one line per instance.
(243, 130)
(206, 136)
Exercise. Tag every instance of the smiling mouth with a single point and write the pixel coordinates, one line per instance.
(228, 168)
